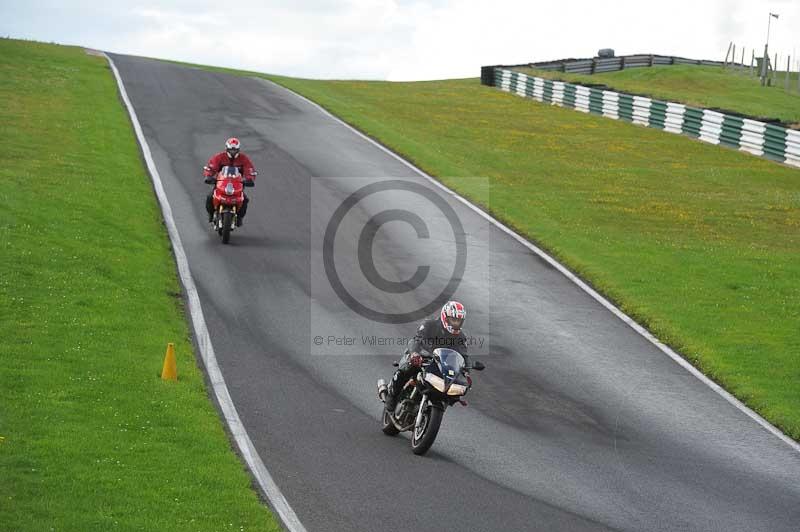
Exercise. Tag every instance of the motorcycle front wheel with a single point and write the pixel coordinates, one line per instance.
(425, 433)
(227, 223)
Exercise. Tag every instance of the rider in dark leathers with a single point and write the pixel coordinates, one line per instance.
(442, 331)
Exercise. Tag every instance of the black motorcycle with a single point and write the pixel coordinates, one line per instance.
(442, 381)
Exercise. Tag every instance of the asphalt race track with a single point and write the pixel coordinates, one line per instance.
(578, 423)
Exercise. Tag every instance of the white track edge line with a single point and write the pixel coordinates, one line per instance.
(246, 447)
(572, 277)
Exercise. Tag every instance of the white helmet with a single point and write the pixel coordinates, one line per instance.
(453, 314)
(233, 146)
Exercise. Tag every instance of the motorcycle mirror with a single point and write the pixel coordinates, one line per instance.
(478, 366)
(396, 364)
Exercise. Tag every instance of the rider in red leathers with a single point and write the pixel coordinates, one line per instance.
(232, 156)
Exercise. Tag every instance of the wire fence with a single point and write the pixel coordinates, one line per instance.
(767, 70)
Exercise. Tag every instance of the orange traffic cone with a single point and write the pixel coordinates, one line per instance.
(170, 370)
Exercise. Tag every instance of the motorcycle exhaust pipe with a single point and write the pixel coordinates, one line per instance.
(382, 390)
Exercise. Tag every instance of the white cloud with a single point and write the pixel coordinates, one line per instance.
(401, 39)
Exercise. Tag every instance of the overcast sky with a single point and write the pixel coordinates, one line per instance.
(401, 39)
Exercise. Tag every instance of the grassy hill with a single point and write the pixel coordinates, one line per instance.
(90, 437)
(699, 86)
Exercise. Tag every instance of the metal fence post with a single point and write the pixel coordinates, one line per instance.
(752, 60)
(774, 72)
(788, 68)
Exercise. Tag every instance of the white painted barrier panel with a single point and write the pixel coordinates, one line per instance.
(521, 82)
(611, 104)
(793, 147)
(673, 121)
(582, 98)
(505, 81)
(641, 110)
(558, 93)
(752, 140)
(711, 126)
(538, 89)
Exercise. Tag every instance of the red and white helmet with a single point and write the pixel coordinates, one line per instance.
(453, 314)
(233, 146)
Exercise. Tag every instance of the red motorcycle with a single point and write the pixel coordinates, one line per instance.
(227, 200)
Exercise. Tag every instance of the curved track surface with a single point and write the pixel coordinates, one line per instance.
(577, 424)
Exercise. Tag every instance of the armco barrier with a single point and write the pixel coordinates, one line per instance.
(596, 65)
(765, 140)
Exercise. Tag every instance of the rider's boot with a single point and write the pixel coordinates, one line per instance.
(242, 211)
(392, 391)
(210, 208)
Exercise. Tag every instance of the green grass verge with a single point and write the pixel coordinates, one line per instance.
(699, 86)
(698, 243)
(92, 439)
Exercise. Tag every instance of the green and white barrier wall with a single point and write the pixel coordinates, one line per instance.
(759, 138)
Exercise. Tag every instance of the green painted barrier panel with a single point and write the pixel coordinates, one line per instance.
(596, 101)
(731, 131)
(658, 114)
(775, 142)
(625, 107)
(569, 96)
(547, 92)
(692, 121)
(529, 87)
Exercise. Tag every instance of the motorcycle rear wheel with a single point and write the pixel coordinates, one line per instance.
(424, 435)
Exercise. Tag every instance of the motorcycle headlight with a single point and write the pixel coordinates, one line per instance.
(457, 389)
(229, 189)
(435, 381)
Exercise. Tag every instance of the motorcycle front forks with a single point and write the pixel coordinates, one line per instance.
(233, 210)
(422, 406)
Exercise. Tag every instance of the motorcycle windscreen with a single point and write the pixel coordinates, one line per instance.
(230, 171)
(450, 362)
